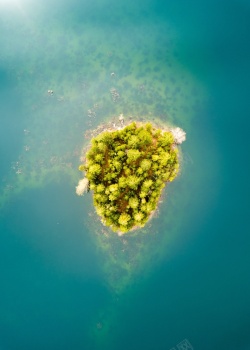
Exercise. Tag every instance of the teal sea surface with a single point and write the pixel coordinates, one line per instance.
(66, 281)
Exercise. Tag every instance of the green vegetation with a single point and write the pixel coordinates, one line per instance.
(127, 170)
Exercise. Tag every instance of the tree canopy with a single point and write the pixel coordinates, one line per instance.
(127, 170)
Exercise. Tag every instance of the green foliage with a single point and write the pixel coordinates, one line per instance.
(143, 194)
(121, 154)
(81, 167)
(122, 182)
(117, 165)
(145, 164)
(99, 158)
(139, 171)
(133, 141)
(127, 170)
(124, 219)
(102, 147)
(105, 137)
(147, 184)
(145, 137)
(100, 188)
(133, 155)
(155, 157)
(133, 181)
(138, 216)
(93, 171)
(133, 202)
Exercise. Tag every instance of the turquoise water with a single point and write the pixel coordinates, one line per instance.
(63, 283)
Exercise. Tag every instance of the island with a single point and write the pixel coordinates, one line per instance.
(127, 169)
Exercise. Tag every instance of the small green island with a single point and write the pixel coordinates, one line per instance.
(126, 169)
